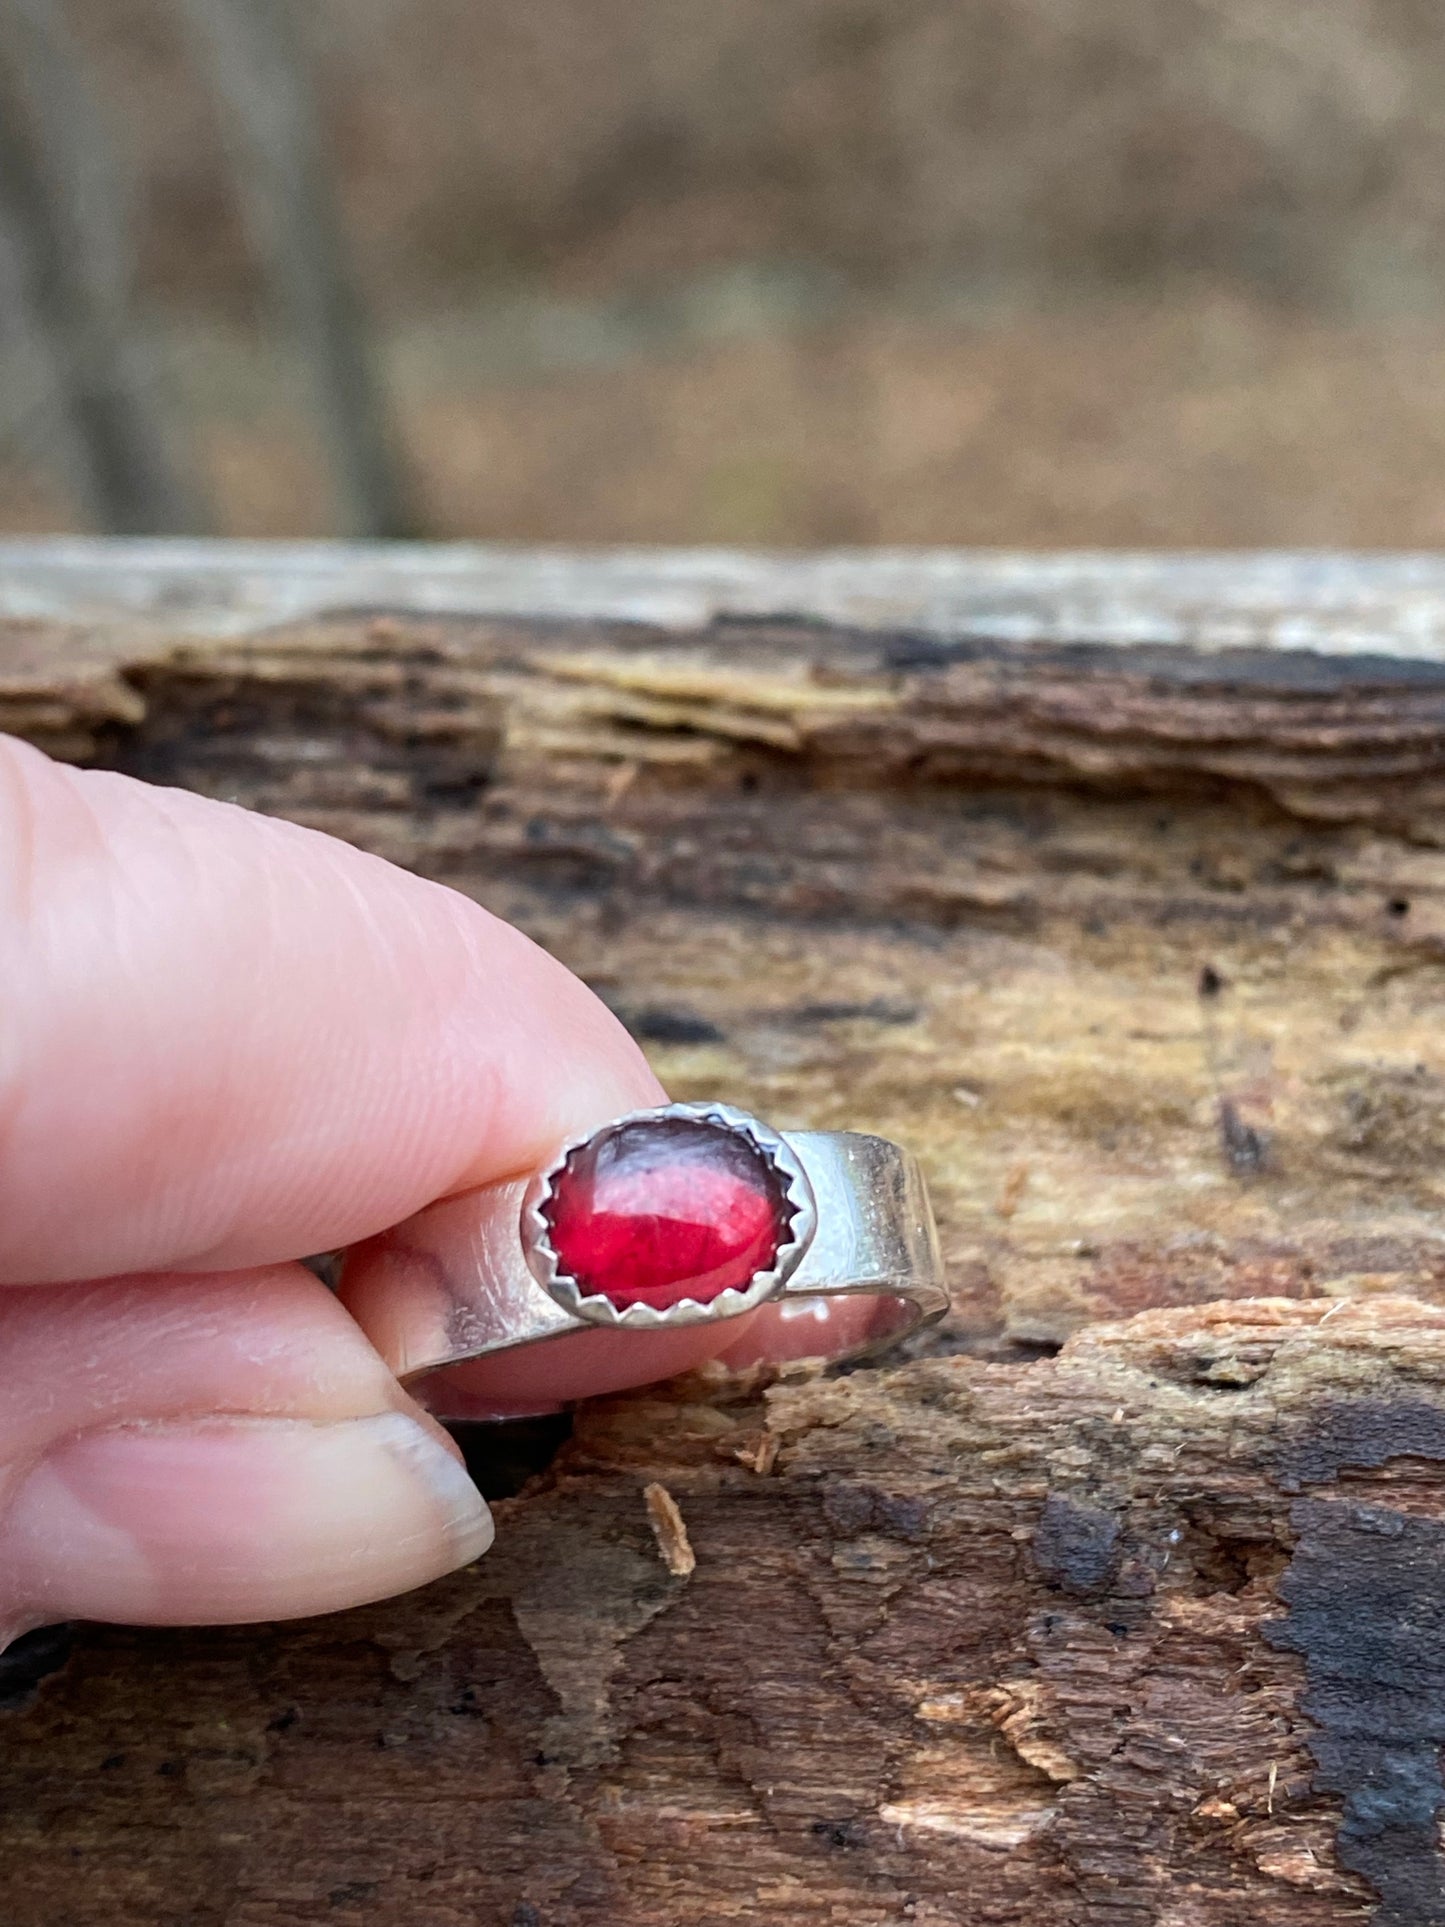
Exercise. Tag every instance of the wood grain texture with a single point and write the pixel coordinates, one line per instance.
(1133, 925)
(1148, 1632)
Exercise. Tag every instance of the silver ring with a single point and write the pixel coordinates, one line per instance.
(684, 1215)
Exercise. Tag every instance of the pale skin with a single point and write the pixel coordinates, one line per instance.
(226, 1043)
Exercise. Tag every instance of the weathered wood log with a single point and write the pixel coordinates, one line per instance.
(1118, 890)
(1149, 1632)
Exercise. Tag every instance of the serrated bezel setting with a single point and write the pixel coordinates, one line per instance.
(592, 1308)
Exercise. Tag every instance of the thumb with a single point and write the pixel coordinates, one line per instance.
(181, 1449)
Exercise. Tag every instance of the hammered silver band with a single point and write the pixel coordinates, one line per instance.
(460, 1285)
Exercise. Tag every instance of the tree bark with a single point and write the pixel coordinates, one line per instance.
(1138, 943)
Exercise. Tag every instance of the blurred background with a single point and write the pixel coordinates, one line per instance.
(1155, 272)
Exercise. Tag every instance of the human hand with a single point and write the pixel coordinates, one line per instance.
(227, 1042)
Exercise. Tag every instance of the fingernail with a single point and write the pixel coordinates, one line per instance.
(233, 1520)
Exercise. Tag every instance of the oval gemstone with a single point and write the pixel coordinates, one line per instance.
(652, 1212)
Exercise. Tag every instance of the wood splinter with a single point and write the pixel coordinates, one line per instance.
(670, 1531)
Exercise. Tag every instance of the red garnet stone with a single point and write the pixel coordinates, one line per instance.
(660, 1209)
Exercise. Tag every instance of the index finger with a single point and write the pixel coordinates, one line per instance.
(227, 1040)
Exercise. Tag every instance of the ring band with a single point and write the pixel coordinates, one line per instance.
(687, 1214)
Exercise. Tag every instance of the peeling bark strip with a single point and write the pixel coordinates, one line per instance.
(1116, 887)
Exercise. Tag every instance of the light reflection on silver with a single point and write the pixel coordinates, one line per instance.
(875, 1224)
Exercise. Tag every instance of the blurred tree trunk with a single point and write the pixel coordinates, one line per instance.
(290, 208)
(66, 286)
(39, 416)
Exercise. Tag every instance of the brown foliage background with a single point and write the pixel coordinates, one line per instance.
(1139, 271)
